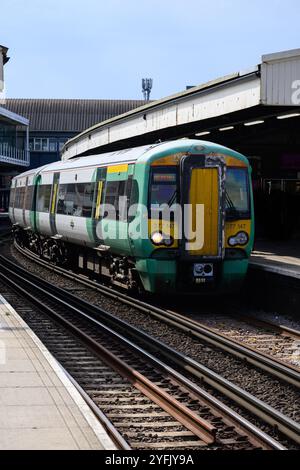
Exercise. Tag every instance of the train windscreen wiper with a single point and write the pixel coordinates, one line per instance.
(172, 198)
(231, 210)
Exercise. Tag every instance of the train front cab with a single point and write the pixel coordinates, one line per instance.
(220, 185)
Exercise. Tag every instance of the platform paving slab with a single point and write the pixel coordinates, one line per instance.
(281, 258)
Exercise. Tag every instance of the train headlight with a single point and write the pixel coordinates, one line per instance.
(158, 238)
(240, 239)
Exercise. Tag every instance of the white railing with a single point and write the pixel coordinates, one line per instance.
(13, 155)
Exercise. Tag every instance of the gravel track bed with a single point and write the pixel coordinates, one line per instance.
(124, 404)
(290, 321)
(281, 346)
(282, 397)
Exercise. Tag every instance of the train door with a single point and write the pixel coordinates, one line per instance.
(33, 214)
(114, 224)
(28, 201)
(202, 193)
(95, 228)
(12, 200)
(53, 203)
(74, 206)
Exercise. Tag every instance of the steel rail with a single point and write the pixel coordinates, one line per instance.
(278, 368)
(282, 329)
(284, 424)
(114, 434)
(197, 425)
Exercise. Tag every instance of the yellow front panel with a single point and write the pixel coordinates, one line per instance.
(232, 161)
(117, 169)
(204, 190)
(233, 228)
(166, 227)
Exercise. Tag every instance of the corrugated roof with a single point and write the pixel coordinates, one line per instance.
(66, 115)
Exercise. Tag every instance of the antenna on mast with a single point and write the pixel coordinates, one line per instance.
(147, 84)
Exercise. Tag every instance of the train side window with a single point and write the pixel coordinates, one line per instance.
(76, 199)
(133, 200)
(113, 192)
(83, 204)
(12, 197)
(43, 197)
(22, 196)
(28, 198)
(124, 199)
(19, 197)
(61, 200)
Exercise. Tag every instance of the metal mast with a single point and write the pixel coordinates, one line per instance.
(147, 87)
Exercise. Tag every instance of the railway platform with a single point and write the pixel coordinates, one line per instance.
(40, 408)
(273, 281)
(281, 258)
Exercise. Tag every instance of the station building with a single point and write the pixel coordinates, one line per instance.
(54, 121)
(14, 140)
(256, 112)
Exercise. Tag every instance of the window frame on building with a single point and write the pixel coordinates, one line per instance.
(44, 144)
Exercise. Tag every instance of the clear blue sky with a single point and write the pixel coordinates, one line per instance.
(102, 48)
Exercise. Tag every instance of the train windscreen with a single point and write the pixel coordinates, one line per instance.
(237, 194)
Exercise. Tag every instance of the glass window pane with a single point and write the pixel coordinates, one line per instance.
(37, 144)
(111, 192)
(237, 192)
(76, 199)
(45, 145)
(114, 192)
(52, 145)
(88, 200)
(16, 198)
(28, 197)
(163, 191)
(43, 198)
(12, 197)
(61, 199)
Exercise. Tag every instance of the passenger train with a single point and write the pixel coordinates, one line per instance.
(174, 217)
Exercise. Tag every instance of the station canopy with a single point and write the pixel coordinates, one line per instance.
(253, 111)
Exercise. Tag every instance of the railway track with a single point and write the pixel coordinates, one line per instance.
(150, 405)
(270, 350)
(268, 338)
(285, 425)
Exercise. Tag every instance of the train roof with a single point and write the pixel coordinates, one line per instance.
(144, 152)
(134, 154)
(119, 156)
(33, 171)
